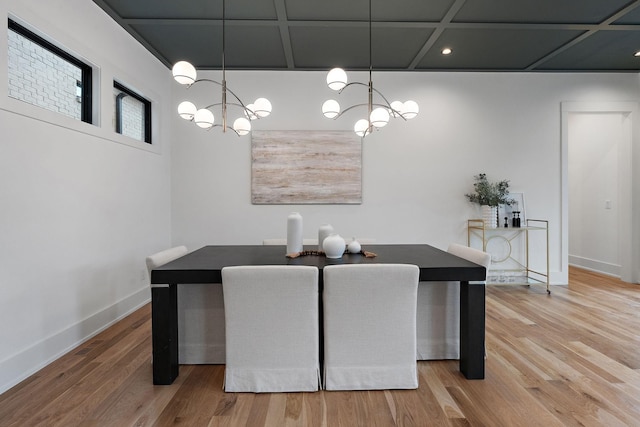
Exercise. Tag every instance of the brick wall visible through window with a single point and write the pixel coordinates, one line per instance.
(132, 113)
(42, 77)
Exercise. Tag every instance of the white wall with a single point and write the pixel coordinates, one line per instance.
(415, 174)
(80, 206)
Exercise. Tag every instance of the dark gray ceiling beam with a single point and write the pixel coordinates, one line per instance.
(379, 24)
(604, 25)
(453, 10)
(281, 11)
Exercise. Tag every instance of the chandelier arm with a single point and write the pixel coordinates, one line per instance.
(366, 105)
(221, 85)
(352, 83)
(349, 108)
(219, 126)
(388, 105)
(241, 105)
(401, 116)
(204, 80)
(391, 109)
(213, 126)
(237, 99)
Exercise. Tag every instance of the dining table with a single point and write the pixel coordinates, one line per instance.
(205, 265)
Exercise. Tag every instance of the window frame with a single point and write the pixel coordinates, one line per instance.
(86, 111)
(147, 110)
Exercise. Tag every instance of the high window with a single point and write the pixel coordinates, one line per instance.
(132, 113)
(42, 74)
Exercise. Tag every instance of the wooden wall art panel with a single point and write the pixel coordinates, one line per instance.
(306, 167)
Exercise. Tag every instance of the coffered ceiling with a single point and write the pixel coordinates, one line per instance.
(484, 35)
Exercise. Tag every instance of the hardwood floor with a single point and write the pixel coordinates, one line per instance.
(569, 358)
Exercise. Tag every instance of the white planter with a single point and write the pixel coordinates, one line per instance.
(489, 216)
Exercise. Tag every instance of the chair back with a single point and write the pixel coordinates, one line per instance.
(272, 328)
(370, 326)
(471, 254)
(163, 257)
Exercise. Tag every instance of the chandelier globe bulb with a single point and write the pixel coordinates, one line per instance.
(410, 109)
(379, 117)
(187, 110)
(203, 118)
(336, 79)
(361, 127)
(396, 109)
(262, 107)
(331, 108)
(242, 126)
(184, 73)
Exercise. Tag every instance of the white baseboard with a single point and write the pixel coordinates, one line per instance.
(595, 265)
(27, 362)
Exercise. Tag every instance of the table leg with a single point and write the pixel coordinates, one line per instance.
(472, 329)
(164, 325)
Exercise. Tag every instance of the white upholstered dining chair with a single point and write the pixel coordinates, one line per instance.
(161, 258)
(272, 328)
(438, 317)
(201, 329)
(370, 326)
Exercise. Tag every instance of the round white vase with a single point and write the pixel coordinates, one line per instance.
(354, 246)
(334, 246)
(294, 233)
(323, 232)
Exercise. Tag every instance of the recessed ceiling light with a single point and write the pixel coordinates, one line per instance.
(637, 53)
(446, 51)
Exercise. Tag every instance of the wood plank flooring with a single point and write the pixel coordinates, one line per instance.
(570, 358)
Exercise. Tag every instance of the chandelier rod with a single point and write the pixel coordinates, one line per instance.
(370, 73)
(370, 44)
(224, 78)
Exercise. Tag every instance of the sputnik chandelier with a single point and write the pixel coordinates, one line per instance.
(378, 112)
(185, 73)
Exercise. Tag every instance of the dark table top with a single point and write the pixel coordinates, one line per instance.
(205, 264)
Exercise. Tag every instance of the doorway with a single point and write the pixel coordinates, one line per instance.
(597, 192)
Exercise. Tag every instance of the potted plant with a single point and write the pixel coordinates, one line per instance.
(490, 194)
